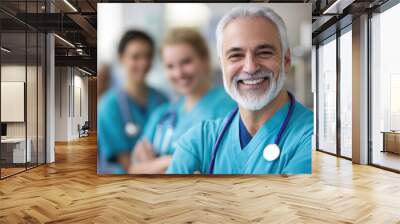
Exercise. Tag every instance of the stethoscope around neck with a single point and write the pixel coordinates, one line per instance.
(162, 138)
(271, 151)
(131, 129)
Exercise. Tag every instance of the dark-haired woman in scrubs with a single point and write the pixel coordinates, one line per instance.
(123, 113)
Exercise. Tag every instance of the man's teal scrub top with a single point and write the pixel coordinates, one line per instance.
(194, 149)
(214, 104)
(112, 139)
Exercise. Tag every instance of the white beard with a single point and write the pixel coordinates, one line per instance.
(255, 102)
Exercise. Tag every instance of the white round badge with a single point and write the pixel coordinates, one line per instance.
(271, 152)
(131, 129)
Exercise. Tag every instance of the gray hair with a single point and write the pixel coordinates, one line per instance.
(253, 11)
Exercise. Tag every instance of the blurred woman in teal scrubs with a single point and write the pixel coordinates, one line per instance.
(123, 113)
(188, 68)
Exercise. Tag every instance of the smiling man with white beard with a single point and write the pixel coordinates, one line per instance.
(270, 132)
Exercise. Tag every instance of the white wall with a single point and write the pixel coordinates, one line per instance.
(61, 103)
(67, 114)
(314, 90)
(80, 83)
(33, 126)
(16, 73)
(12, 99)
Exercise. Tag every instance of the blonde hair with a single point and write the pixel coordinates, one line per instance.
(190, 37)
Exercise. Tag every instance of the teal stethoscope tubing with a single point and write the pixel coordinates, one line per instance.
(228, 121)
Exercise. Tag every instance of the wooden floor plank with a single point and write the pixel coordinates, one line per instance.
(70, 191)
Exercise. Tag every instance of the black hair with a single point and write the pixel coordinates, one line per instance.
(133, 35)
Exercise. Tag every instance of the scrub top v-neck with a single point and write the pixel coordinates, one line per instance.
(209, 107)
(194, 150)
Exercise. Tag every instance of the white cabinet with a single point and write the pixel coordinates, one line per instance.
(18, 149)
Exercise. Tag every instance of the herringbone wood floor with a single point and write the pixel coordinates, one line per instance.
(70, 191)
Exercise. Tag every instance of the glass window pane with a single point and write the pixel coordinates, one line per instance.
(385, 114)
(346, 94)
(41, 98)
(13, 87)
(32, 87)
(31, 97)
(327, 97)
(23, 86)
